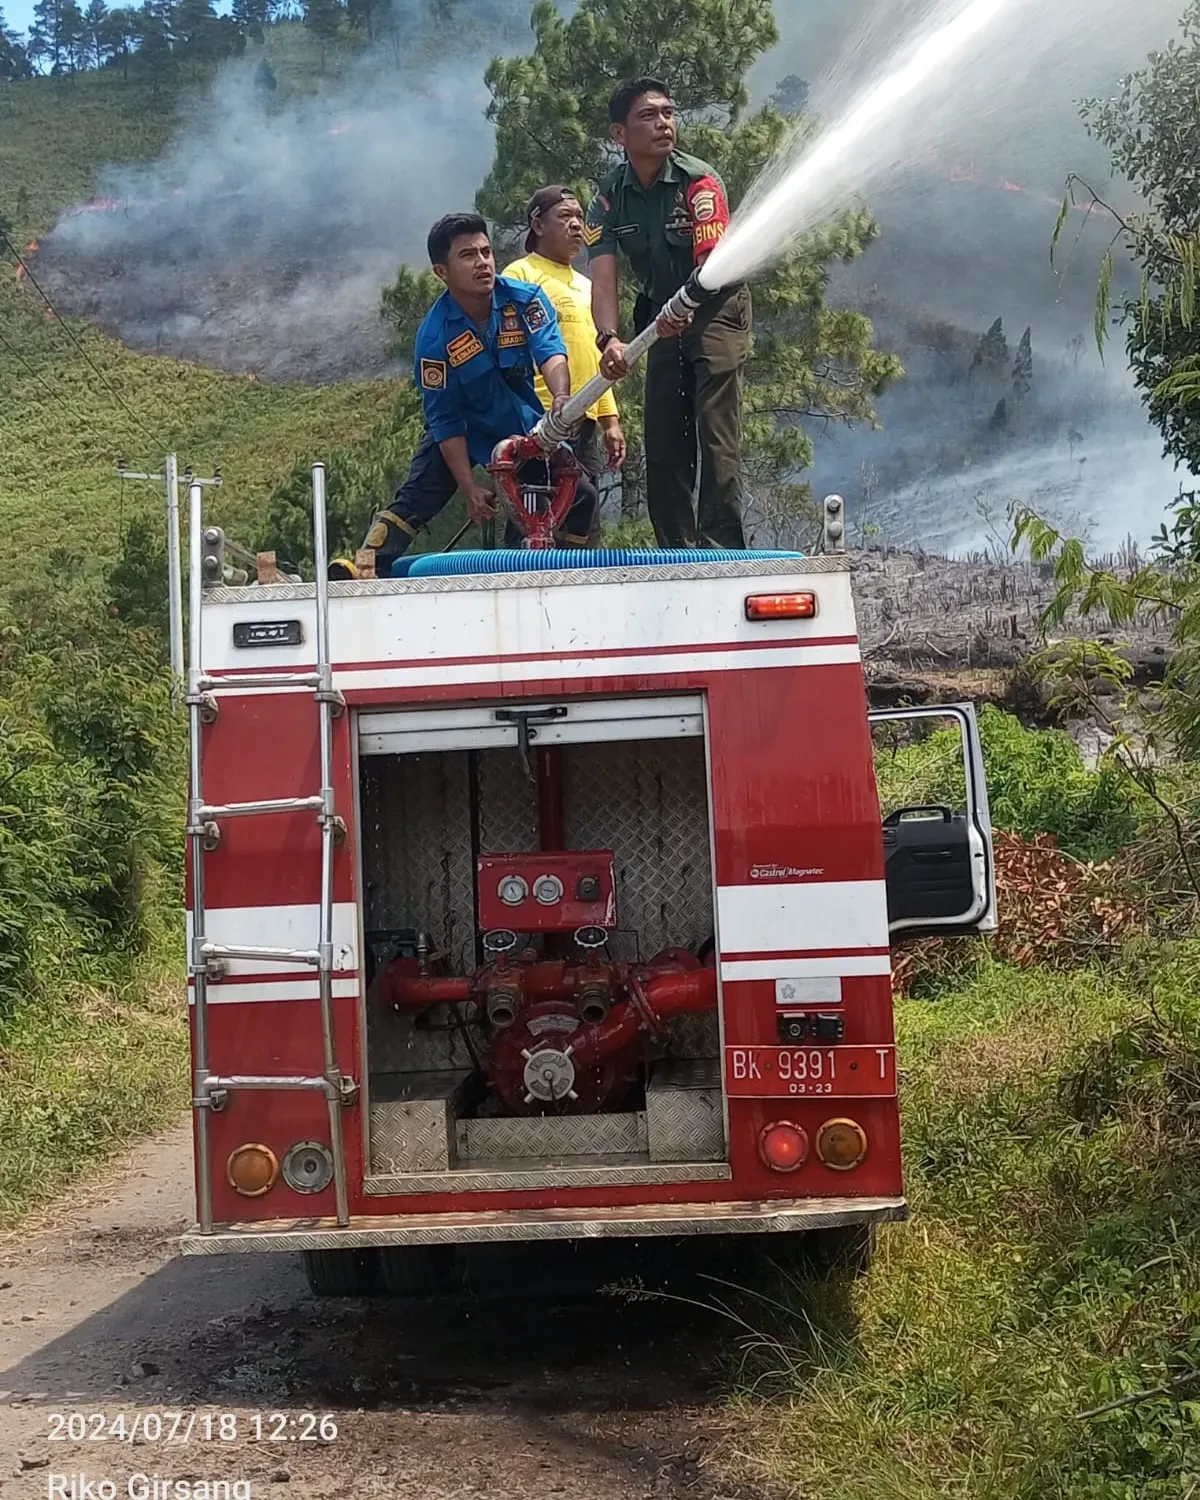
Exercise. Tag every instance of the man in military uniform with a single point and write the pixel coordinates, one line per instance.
(474, 362)
(666, 211)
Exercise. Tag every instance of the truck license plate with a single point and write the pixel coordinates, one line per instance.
(792, 1072)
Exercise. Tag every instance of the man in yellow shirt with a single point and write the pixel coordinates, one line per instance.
(555, 239)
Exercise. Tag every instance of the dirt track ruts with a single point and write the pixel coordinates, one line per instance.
(532, 1383)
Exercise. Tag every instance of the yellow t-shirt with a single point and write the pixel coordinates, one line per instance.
(570, 293)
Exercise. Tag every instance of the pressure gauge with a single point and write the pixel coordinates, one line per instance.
(547, 890)
(512, 890)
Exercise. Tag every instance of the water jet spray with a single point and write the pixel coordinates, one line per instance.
(762, 233)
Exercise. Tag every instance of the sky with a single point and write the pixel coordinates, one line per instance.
(19, 13)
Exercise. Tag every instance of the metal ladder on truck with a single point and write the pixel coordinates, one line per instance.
(205, 959)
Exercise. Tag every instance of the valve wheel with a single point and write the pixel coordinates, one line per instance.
(549, 1075)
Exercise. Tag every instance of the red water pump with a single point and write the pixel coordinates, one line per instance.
(565, 1030)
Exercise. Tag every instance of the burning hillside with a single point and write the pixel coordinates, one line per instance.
(261, 239)
(255, 299)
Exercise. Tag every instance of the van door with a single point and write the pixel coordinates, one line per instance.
(937, 831)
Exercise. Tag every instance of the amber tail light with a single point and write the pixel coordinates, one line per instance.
(841, 1144)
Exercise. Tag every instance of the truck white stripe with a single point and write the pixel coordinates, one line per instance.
(844, 966)
(280, 927)
(816, 915)
(503, 671)
(286, 990)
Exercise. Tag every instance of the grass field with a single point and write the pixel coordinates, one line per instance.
(1052, 1141)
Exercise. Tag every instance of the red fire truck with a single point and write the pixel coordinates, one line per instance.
(547, 903)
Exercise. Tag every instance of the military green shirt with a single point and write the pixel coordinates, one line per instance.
(665, 230)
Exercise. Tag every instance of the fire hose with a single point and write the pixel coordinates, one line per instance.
(553, 430)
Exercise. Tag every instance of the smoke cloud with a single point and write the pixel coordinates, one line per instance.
(261, 239)
(967, 212)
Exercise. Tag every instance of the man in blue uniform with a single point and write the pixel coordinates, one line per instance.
(474, 363)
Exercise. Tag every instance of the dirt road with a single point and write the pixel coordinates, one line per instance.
(533, 1383)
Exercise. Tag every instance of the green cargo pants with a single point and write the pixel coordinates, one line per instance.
(694, 410)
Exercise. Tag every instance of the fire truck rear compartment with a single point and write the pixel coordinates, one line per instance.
(435, 1118)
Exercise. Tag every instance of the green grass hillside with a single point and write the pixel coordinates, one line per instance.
(92, 1034)
(61, 426)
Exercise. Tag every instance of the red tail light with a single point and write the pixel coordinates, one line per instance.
(781, 606)
(783, 1146)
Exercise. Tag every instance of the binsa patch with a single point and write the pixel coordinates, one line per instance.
(433, 374)
(704, 205)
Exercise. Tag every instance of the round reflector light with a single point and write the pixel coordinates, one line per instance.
(782, 1146)
(841, 1144)
(308, 1167)
(252, 1170)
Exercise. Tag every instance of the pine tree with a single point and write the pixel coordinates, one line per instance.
(364, 15)
(72, 35)
(154, 55)
(550, 109)
(991, 353)
(1022, 375)
(252, 16)
(14, 60)
(95, 18)
(791, 95)
(45, 35)
(118, 36)
(196, 30)
(323, 21)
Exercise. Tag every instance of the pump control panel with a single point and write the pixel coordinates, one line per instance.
(548, 892)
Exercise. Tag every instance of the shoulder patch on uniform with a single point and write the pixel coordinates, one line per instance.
(433, 374)
(466, 346)
(535, 315)
(710, 214)
(593, 224)
(704, 205)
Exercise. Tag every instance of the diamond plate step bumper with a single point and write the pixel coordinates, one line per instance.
(638, 1222)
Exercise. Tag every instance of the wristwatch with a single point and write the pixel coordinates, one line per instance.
(604, 338)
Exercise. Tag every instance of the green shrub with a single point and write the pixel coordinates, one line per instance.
(91, 801)
(359, 481)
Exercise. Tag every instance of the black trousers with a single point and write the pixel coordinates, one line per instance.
(430, 487)
(694, 411)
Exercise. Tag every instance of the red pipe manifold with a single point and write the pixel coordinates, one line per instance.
(508, 459)
(558, 1045)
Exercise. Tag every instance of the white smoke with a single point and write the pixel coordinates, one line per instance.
(967, 211)
(261, 239)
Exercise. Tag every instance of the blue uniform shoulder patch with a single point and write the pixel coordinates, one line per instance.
(535, 315)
